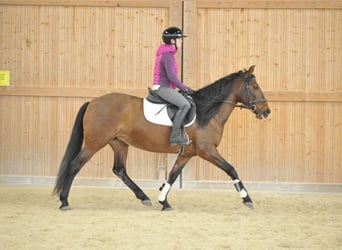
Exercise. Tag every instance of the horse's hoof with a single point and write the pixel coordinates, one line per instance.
(249, 204)
(166, 205)
(146, 202)
(167, 209)
(65, 208)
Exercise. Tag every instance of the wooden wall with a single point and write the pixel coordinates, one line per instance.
(63, 53)
(298, 52)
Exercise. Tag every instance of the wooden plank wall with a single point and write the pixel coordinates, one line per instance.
(298, 52)
(62, 54)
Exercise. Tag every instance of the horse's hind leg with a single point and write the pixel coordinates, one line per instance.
(120, 155)
(75, 167)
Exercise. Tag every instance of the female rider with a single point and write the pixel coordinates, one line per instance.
(166, 80)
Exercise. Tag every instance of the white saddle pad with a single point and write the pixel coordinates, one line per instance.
(157, 114)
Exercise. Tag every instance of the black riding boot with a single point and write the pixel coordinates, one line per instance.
(176, 134)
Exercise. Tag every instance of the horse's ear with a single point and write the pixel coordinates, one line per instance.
(251, 70)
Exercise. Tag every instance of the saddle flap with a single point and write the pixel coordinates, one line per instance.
(162, 114)
(157, 111)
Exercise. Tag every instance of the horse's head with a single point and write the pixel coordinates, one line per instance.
(252, 96)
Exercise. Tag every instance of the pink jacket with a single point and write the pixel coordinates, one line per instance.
(166, 68)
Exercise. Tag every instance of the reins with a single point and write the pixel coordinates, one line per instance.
(243, 106)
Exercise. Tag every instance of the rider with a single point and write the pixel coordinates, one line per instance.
(166, 80)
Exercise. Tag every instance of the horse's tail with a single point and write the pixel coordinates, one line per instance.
(73, 148)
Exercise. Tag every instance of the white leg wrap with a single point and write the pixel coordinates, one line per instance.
(243, 193)
(164, 191)
(239, 187)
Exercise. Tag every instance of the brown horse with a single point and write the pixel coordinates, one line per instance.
(118, 120)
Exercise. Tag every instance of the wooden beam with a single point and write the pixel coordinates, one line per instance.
(66, 92)
(231, 4)
(190, 59)
(97, 3)
(288, 96)
(276, 96)
(271, 4)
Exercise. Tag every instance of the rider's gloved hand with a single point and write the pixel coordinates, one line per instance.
(189, 91)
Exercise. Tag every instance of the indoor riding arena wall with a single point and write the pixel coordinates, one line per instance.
(61, 54)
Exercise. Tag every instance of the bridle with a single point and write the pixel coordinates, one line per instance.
(251, 104)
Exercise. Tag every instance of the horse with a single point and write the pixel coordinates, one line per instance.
(117, 120)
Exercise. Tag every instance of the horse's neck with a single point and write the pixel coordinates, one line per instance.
(224, 113)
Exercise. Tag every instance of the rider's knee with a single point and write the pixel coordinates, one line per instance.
(185, 107)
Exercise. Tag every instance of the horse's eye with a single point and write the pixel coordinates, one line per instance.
(255, 86)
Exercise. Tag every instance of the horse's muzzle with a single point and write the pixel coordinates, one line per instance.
(262, 113)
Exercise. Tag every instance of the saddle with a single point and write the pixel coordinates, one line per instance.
(158, 111)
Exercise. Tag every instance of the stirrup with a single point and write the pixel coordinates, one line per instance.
(178, 139)
(184, 142)
(188, 141)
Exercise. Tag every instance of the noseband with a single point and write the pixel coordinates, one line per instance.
(251, 104)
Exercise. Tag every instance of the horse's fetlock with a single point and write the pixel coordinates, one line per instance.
(165, 190)
(240, 188)
(247, 199)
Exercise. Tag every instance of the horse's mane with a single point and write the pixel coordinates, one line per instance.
(209, 99)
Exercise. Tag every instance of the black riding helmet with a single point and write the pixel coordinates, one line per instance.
(172, 33)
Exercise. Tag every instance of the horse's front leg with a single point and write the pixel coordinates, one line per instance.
(214, 157)
(181, 161)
